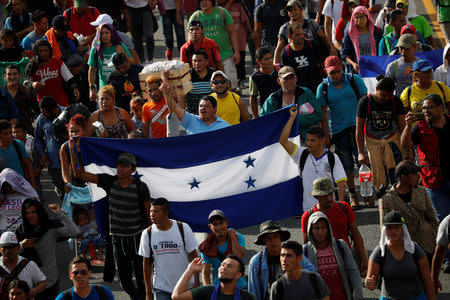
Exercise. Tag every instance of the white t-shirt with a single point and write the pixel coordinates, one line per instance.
(169, 253)
(31, 274)
(315, 168)
(333, 11)
(10, 212)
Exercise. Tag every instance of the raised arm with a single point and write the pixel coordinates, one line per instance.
(78, 169)
(169, 95)
(284, 137)
(181, 291)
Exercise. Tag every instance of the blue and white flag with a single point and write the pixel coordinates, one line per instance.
(372, 66)
(241, 169)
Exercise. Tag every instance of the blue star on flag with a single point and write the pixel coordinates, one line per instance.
(250, 162)
(250, 182)
(137, 176)
(195, 183)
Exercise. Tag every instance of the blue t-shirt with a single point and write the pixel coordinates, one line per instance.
(92, 295)
(343, 103)
(29, 41)
(193, 124)
(11, 159)
(215, 262)
(8, 108)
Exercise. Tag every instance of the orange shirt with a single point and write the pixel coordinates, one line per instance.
(156, 113)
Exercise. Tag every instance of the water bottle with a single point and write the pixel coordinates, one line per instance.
(365, 181)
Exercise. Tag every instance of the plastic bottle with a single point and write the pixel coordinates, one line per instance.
(365, 181)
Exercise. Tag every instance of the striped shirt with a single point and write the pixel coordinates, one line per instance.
(200, 87)
(126, 216)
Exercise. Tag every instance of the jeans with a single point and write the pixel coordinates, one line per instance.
(345, 143)
(128, 261)
(161, 295)
(169, 20)
(440, 199)
(97, 240)
(142, 26)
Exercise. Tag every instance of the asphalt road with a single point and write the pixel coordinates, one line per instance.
(367, 218)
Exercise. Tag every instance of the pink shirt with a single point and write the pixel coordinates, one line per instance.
(328, 269)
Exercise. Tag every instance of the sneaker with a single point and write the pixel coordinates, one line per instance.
(369, 201)
(169, 54)
(354, 202)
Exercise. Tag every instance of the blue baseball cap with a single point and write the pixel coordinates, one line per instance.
(422, 65)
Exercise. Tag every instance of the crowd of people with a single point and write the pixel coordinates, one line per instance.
(72, 68)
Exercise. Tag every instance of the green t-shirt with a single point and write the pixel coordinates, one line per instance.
(216, 30)
(105, 65)
(203, 292)
(421, 25)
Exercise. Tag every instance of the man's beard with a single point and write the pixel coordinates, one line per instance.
(225, 280)
(221, 93)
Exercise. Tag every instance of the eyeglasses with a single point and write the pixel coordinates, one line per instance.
(428, 107)
(222, 81)
(82, 272)
(401, 5)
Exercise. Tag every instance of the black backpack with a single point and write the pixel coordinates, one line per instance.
(101, 292)
(149, 234)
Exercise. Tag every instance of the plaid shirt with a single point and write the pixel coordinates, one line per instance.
(419, 215)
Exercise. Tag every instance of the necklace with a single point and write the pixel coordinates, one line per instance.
(313, 159)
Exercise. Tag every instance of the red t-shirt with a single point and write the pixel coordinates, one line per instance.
(82, 23)
(208, 45)
(156, 113)
(49, 75)
(337, 218)
(340, 27)
(327, 267)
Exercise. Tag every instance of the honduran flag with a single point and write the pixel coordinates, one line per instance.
(372, 66)
(241, 169)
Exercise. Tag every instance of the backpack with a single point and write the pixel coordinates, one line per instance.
(439, 86)
(149, 235)
(279, 288)
(21, 160)
(352, 84)
(101, 292)
(307, 40)
(8, 277)
(69, 13)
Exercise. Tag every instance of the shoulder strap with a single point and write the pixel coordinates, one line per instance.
(92, 10)
(442, 91)
(325, 92)
(309, 42)
(386, 43)
(354, 87)
(409, 93)
(196, 15)
(149, 235)
(68, 294)
(287, 49)
(68, 13)
(19, 155)
(235, 101)
(331, 161)
(303, 159)
(395, 69)
(101, 292)
(260, 257)
(181, 229)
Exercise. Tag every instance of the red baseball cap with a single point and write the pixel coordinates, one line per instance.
(333, 63)
(409, 27)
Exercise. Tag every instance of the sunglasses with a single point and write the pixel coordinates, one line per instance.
(82, 272)
(222, 81)
(401, 5)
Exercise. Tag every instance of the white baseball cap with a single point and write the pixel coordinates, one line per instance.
(8, 239)
(102, 19)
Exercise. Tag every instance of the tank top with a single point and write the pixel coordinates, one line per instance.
(118, 130)
(228, 108)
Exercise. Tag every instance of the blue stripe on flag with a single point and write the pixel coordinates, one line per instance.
(372, 66)
(276, 202)
(193, 150)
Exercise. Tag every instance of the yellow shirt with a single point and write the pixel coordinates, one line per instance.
(417, 95)
(228, 108)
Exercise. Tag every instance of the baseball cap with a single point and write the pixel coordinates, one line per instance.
(8, 239)
(292, 3)
(393, 218)
(59, 22)
(333, 63)
(408, 27)
(127, 159)
(218, 73)
(356, 2)
(422, 65)
(216, 213)
(404, 2)
(406, 41)
(285, 71)
(406, 167)
(195, 23)
(102, 19)
(322, 186)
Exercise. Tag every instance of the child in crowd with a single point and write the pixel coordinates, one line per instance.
(136, 105)
(19, 133)
(88, 233)
(10, 50)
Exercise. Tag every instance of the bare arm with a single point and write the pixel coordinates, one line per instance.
(254, 106)
(373, 273)
(234, 43)
(428, 285)
(320, 5)
(135, 56)
(328, 27)
(362, 156)
(147, 128)
(65, 171)
(430, 41)
(181, 291)
(40, 287)
(30, 171)
(258, 34)
(193, 255)
(438, 259)
(127, 118)
(236, 249)
(327, 42)
(206, 277)
(284, 137)
(324, 125)
(341, 185)
(91, 79)
(406, 139)
(78, 169)
(277, 55)
(219, 65)
(359, 246)
(182, 101)
(148, 271)
(401, 123)
(244, 112)
(173, 106)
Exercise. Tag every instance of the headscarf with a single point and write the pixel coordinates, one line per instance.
(115, 39)
(353, 31)
(408, 243)
(17, 182)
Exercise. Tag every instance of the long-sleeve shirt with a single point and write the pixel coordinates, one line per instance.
(45, 141)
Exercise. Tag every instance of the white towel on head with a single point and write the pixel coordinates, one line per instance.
(408, 243)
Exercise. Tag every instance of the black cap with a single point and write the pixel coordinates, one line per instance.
(195, 23)
(216, 213)
(406, 167)
(393, 218)
(59, 22)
